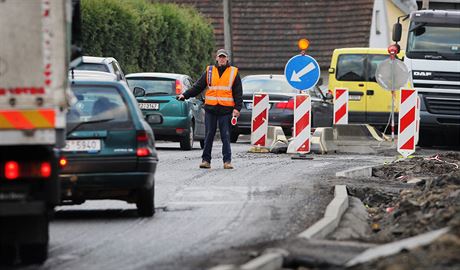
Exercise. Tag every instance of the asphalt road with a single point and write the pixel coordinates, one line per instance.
(200, 213)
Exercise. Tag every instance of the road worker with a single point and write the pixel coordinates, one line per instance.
(223, 100)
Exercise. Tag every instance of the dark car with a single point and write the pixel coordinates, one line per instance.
(281, 96)
(183, 121)
(110, 148)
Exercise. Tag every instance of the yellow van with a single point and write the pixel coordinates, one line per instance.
(354, 69)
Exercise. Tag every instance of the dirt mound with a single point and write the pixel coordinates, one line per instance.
(419, 166)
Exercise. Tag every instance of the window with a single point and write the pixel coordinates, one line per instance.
(350, 67)
(92, 67)
(374, 62)
(267, 86)
(154, 86)
(432, 38)
(99, 103)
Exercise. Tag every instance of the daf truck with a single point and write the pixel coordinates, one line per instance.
(34, 54)
(433, 58)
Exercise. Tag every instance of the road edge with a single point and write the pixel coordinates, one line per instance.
(332, 216)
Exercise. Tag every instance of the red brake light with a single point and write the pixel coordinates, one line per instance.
(45, 169)
(285, 105)
(142, 136)
(11, 170)
(178, 88)
(142, 152)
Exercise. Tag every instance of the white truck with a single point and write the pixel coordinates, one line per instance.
(34, 54)
(433, 57)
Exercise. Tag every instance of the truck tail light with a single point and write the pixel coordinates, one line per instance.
(178, 87)
(11, 170)
(45, 169)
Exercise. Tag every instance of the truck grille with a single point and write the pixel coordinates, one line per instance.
(442, 103)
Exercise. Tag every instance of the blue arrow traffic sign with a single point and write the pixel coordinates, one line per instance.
(302, 72)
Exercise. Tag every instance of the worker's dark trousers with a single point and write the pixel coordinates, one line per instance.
(211, 121)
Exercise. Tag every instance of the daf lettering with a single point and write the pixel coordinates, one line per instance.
(422, 73)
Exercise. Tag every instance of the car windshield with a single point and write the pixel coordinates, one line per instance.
(154, 86)
(95, 103)
(267, 85)
(92, 67)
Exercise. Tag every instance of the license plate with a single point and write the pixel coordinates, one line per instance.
(248, 105)
(83, 145)
(149, 106)
(354, 97)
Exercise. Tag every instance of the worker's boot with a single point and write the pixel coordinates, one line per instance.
(228, 165)
(205, 165)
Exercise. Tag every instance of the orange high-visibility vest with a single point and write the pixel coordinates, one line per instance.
(219, 90)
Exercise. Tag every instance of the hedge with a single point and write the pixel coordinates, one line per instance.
(147, 37)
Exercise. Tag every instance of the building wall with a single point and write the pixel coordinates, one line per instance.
(393, 12)
(384, 15)
(379, 35)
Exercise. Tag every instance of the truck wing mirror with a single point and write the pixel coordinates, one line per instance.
(397, 31)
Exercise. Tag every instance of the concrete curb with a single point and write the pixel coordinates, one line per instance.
(365, 171)
(272, 259)
(392, 248)
(332, 216)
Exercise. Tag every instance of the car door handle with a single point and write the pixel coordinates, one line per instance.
(370, 92)
(361, 84)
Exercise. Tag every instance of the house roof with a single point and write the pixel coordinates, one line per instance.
(265, 33)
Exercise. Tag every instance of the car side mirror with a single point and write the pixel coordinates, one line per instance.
(154, 118)
(331, 70)
(139, 92)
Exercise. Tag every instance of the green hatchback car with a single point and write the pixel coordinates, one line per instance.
(110, 148)
(183, 121)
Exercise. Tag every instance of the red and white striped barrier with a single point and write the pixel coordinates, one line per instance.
(341, 107)
(407, 126)
(302, 125)
(259, 123)
(417, 129)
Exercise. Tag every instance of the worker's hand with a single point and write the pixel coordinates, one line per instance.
(236, 113)
(180, 97)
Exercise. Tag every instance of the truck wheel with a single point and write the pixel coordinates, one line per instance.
(145, 202)
(33, 253)
(186, 143)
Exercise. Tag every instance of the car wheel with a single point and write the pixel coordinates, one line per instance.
(186, 142)
(145, 202)
(35, 253)
(202, 144)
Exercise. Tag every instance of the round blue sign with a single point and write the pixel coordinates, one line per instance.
(302, 72)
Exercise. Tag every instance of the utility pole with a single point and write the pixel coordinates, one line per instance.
(228, 27)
